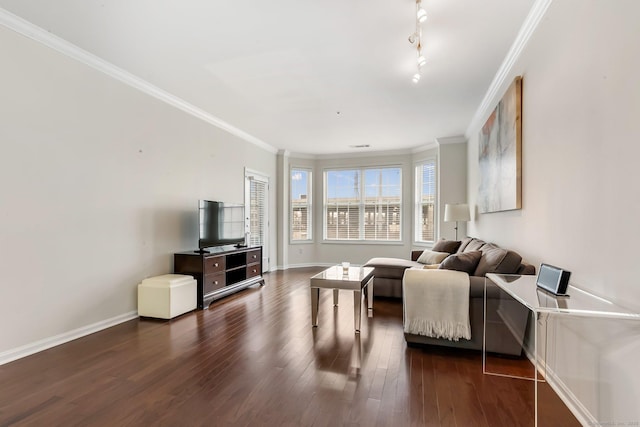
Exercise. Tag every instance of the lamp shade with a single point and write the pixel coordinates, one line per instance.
(456, 212)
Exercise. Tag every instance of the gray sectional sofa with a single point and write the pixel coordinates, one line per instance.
(388, 273)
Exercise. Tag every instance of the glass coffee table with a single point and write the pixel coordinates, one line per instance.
(351, 278)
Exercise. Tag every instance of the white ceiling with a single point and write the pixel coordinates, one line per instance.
(312, 77)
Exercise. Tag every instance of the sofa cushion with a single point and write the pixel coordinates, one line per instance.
(510, 264)
(474, 245)
(497, 260)
(390, 262)
(467, 262)
(390, 268)
(432, 257)
(464, 243)
(444, 245)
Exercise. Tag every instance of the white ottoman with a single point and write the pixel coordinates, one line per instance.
(166, 296)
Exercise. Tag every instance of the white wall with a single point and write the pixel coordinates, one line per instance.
(98, 188)
(581, 103)
(282, 196)
(452, 184)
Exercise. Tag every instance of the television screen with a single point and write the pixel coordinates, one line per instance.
(220, 224)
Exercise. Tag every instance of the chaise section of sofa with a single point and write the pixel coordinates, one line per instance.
(388, 273)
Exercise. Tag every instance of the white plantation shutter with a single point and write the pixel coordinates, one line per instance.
(343, 220)
(342, 205)
(382, 221)
(425, 201)
(363, 204)
(382, 204)
(300, 222)
(257, 201)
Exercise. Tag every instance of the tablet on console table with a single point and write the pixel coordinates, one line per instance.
(553, 279)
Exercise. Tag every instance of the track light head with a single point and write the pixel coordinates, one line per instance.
(421, 15)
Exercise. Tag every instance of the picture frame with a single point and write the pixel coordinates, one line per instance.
(500, 154)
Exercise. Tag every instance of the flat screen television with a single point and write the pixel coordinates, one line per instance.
(220, 224)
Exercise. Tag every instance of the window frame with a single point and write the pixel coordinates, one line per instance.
(417, 201)
(309, 205)
(361, 206)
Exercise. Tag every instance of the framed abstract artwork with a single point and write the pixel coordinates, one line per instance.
(500, 154)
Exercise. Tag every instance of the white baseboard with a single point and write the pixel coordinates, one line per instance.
(305, 265)
(565, 394)
(44, 344)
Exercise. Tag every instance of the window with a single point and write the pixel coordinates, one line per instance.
(425, 201)
(363, 204)
(301, 205)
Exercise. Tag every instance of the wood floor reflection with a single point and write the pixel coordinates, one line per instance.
(254, 359)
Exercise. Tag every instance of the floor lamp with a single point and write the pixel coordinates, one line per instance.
(456, 212)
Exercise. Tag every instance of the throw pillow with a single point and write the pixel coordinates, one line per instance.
(497, 260)
(443, 245)
(492, 256)
(466, 261)
(432, 257)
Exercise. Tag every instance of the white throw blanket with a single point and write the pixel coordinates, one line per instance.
(436, 303)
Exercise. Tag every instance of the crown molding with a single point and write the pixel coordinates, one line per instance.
(425, 147)
(351, 155)
(460, 139)
(302, 156)
(401, 152)
(529, 26)
(33, 32)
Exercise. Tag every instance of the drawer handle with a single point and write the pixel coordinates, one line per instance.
(255, 256)
(215, 282)
(215, 265)
(255, 271)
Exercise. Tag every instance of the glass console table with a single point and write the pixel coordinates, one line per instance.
(517, 313)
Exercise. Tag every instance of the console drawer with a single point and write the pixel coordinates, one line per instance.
(214, 264)
(253, 270)
(213, 282)
(254, 256)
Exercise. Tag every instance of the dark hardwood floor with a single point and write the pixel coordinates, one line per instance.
(254, 359)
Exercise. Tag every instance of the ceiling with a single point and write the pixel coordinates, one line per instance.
(311, 77)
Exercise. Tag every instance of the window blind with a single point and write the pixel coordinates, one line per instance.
(301, 200)
(257, 199)
(425, 201)
(363, 204)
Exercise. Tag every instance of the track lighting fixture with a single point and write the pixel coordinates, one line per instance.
(416, 39)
